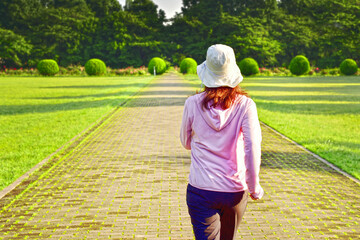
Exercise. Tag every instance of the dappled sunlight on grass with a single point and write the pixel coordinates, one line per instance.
(40, 114)
(266, 93)
(302, 85)
(308, 102)
(322, 114)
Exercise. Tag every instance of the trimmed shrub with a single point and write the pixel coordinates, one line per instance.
(95, 67)
(159, 64)
(249, 66)
(188, 65)
(299, 65)
(48, 67)
(348, 67)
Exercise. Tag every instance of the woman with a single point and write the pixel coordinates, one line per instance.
(221, 128)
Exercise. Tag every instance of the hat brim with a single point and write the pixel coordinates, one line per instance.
(212, 80)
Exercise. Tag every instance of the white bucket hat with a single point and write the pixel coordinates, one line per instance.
(220, 68)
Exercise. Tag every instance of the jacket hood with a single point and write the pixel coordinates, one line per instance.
(218, 118)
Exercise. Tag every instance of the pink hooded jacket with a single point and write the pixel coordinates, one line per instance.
(225, 145)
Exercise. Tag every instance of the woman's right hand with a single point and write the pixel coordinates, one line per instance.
(253, 198)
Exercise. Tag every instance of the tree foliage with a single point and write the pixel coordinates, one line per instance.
(103, 8)
(270, 31)
(12, 47)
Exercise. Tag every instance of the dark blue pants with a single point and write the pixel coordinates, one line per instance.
(215, 215)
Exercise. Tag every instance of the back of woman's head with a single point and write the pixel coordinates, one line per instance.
(221, 96)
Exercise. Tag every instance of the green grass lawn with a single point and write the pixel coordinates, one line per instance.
(320, 113)
(40, 114)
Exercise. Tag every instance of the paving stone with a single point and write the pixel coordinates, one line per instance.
(127, 179)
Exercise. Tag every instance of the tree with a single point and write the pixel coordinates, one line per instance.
(56, 33)
(103, 8)
(296, 36)
(16, 13)
(339, 29)
(250, 38)
(231, 23)
(13, 47)
(147, 11)
(270, 31)
(79, 5)
(121, 39)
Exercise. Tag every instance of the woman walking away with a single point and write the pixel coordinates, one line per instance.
(221, 128)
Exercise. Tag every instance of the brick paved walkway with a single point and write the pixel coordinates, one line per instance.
(127, 180)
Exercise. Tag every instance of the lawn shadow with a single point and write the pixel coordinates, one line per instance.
(120, 93)
(125, 85)
(45, 108)
(316, 90)
(171, 98)
(334, 142)
(303, 79)
(328, 98)
(77, 105)
(337, 89)
(311, 108)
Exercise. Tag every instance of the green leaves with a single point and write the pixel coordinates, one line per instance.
(270, 31)
(13, 47)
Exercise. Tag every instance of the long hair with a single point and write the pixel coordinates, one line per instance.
(222, 96)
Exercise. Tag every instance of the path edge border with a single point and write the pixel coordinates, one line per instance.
(78, 138)
(313, 154)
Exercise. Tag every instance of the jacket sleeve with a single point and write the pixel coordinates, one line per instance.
(252, 143)
(185, 131)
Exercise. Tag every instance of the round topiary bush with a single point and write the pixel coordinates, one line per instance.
(348, 67)
(159, 64)
(188, 65)
(299, 65)
(249, 66)
(48, 67)
(95, 67)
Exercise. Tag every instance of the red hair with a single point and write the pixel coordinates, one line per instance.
(222, 96)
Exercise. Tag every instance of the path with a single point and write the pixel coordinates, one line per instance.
(127, 180)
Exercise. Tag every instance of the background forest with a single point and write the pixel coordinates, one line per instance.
(270, 31)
